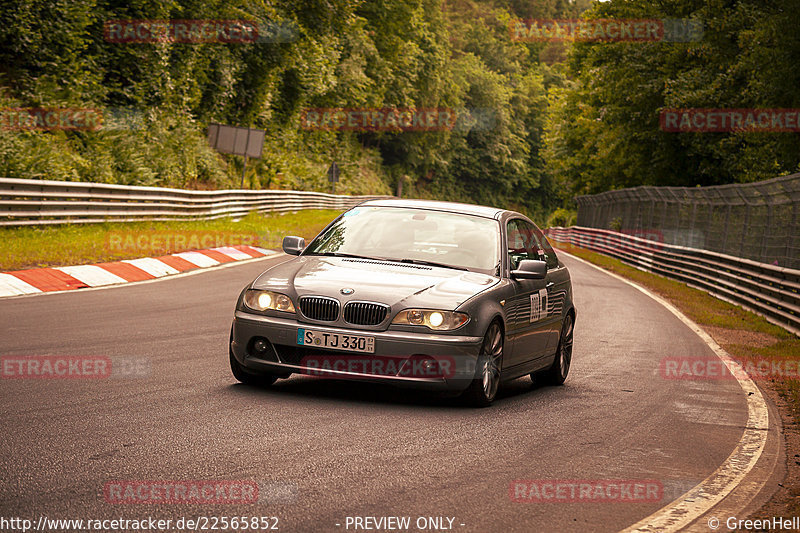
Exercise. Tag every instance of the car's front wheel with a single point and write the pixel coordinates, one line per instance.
(242, 375)
(483, 389)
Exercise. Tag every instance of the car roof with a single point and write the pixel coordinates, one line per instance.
(450, 207)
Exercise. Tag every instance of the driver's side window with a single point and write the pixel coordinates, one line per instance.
(521, 243)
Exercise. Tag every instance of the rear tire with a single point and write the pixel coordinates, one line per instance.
(558, 371)
(483, 388)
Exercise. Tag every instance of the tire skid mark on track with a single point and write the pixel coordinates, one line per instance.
(702, 498)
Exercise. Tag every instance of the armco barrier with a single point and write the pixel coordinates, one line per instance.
(771, 291)
(36, 202)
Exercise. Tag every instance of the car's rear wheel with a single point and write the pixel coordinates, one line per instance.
(558, 371)
(483, 389)
(248, 378)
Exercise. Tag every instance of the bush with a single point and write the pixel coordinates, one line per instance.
(562, 218)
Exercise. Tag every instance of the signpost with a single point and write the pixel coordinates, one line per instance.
(248, 142)
(333, 176)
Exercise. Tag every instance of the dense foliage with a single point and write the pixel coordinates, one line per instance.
(553, 119)
(603, 127)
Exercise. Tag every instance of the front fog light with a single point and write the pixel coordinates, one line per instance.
(260, 346)
(263, 300)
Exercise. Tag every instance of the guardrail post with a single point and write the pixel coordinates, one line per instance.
(744, 228)
(767, 230)
(725, 229)
(791, 241)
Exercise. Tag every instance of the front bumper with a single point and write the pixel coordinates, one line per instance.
(399, 356)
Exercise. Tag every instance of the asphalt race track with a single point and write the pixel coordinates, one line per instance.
(324, 450)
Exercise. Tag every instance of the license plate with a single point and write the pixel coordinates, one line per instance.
(335, 341)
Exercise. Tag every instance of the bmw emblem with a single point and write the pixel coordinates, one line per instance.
(347, 291)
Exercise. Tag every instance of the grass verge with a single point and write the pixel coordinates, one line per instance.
(78, 244)
(748, 338)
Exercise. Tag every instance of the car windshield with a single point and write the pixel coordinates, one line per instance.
(413, 235)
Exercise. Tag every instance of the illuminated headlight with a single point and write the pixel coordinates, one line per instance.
(263, 300)
(434, 319)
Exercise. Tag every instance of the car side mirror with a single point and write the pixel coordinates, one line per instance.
(293, 245)
(530, 269)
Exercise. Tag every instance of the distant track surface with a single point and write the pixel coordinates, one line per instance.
(344, 448)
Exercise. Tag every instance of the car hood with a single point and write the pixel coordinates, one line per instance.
(396, 284)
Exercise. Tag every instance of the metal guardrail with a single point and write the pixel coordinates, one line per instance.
(770, 291)
(37, 202)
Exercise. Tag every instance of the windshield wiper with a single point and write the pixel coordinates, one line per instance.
(411, 261)
(340, 254)
(429, 263)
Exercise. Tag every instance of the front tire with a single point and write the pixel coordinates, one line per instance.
(243, 376)
(483, 388)
(558, 371)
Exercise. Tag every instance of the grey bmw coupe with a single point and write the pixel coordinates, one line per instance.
(439, 295)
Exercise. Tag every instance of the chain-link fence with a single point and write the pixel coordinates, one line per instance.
(757, 221)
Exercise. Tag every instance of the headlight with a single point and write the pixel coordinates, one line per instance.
(432, 318)
(263, 300)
